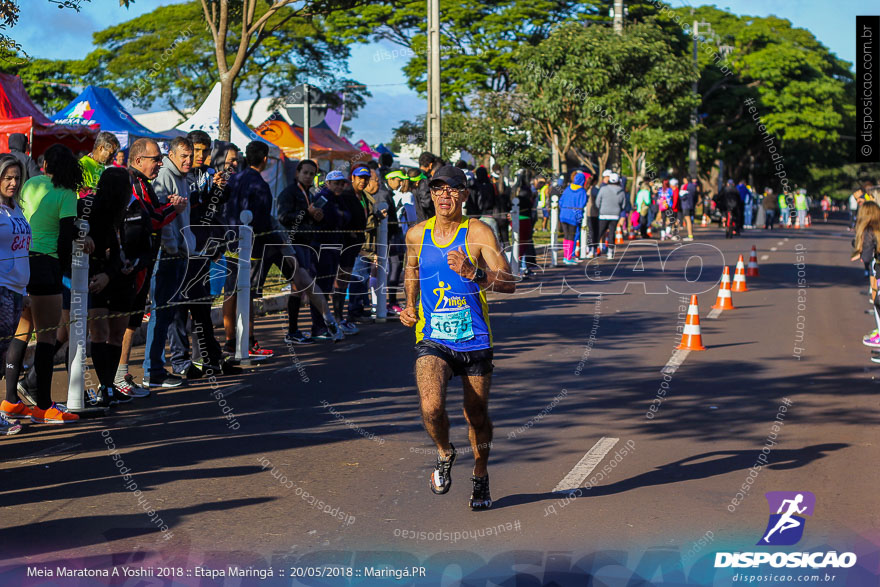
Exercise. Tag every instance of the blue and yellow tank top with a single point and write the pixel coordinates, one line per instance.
(452, 310)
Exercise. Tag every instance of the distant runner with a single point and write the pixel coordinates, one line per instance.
(446, 302)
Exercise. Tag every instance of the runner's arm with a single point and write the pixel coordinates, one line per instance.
(496, 268)
(410, 314)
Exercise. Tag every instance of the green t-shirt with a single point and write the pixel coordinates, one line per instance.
(44, 205)
(92, 171)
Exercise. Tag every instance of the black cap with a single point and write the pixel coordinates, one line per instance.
(451, 176)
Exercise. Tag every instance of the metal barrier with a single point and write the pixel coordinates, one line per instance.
(243, 287)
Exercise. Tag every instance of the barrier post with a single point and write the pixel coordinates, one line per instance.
(585, 247)
(382, 268)
(514, 228)
(554, 229)
(79, 307)
(243, 288)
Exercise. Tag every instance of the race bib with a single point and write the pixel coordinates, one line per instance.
(452, 326)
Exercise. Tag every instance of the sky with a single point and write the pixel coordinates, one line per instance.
(379, 65)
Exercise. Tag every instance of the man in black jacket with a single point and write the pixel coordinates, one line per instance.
(247, 191)
(304, 216)
(428, 163)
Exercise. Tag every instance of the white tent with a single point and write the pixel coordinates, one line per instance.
(207, 118)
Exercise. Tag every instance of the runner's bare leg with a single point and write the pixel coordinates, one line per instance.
(432, 376)
(476, 411)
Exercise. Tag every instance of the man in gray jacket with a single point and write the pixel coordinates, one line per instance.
(18, 147)
(178, 243)
(610, 202)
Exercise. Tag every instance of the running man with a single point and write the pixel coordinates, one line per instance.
(786, 522)
(446, 302)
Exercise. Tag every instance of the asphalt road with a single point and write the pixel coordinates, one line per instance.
(340, 423)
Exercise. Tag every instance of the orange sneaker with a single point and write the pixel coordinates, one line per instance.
(15, 411)
(55, 414)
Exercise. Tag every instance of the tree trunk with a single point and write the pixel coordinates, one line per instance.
(226, 110)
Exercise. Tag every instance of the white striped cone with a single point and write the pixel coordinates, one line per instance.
(691, 339)
(705, 221)
(724, 301)
(752, 269)
(739, 278)
(618, 236)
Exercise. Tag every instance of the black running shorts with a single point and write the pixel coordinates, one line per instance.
(45, 279)
(462, 363)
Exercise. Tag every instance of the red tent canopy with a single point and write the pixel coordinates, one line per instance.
(19, 114)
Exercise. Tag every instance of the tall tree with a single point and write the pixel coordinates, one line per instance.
(168, 56)
(478, 39)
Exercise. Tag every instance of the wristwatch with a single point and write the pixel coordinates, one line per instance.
(480, 275)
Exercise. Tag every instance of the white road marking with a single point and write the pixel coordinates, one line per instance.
(675, 361)
(713, 314)
(586, 465)
(51, 451)
(765, 257)
(349, 347)
(773, 248)
(780, 243)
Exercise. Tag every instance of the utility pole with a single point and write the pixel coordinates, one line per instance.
(618, 17)
(692, 147)
(434, 143)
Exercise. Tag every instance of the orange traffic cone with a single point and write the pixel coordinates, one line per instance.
(705, 221)
(724, 301)
(739, 278)
(618, 236)
(649, 232)
(691, 340)
(808, 223)
(797, 221)
(752, 269)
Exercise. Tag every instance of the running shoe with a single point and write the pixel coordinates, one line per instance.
(590, 254)
(331, 332)
(113, 396)
(54, 414)
(397, 309)
(130, 390)
(129, 387)
(873, 342)
(258, 351)
(162, 379)
(191, 372)
(569, 262)
(297, 338)
(390, 311)
(348, 328)
(15, 411)
(29, 395)
(480, 498)
(865, 338)
(441, 478)
(8, 428)
(335, 332)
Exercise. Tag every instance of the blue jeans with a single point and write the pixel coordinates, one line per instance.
(748, 215)
(783, 215)
(359, 290)
(165, 288)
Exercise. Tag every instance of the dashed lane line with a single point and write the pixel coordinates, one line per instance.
(675, 361)
(586, 465)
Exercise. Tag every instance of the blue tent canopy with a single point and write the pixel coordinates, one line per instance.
(99, 106)
(383, 149)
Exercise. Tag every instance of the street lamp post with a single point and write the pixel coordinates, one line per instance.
(434, 143)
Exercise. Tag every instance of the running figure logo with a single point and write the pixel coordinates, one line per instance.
(786, 526)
